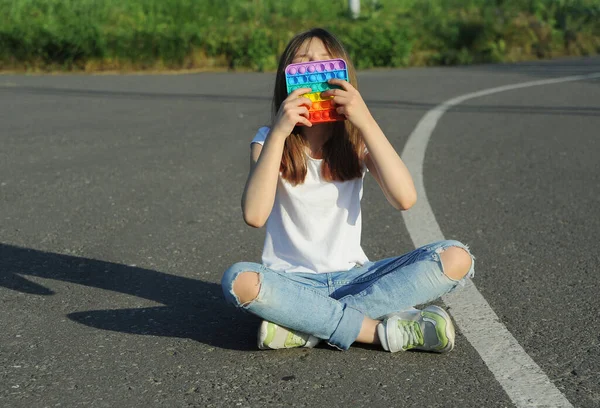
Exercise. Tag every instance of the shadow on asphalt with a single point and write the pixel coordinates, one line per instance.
(192, 308)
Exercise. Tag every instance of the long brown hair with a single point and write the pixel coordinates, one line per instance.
(342, 152)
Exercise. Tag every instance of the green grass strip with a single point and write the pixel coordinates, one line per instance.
(91, 35)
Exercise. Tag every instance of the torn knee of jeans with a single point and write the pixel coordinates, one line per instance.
(471, 272)
(465, 247)
(247, 303)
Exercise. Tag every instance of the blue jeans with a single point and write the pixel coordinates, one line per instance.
(332, 306)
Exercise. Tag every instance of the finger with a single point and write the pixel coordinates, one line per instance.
(305, 121)
(297, 92)
(303, 111)
(340, 100)
(299, 112)
(299, 101)
(332, 92)
(347, 86)
(304, 101)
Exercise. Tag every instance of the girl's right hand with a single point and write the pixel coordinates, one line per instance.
(293, 110)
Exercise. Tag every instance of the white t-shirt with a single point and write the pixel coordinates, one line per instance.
(315, 226)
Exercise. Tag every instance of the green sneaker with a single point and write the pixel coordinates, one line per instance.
(430, 329)
(272, 337)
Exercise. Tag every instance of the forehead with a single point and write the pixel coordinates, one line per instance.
(313, 45)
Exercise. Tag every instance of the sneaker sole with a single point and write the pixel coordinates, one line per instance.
(450, 332)
(262, 335)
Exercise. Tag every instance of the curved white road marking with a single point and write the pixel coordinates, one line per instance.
(522, 379)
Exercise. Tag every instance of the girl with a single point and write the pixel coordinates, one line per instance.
(305, 182)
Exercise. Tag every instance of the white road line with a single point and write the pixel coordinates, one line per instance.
(522, 379)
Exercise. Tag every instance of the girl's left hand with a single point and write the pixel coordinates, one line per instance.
(349, 103)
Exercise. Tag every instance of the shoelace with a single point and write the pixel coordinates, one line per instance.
(412, 336)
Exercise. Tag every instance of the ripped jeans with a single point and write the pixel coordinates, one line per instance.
(332, 306)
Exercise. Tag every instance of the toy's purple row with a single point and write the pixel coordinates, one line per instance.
(302, 68)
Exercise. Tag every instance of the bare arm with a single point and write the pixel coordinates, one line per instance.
(388, 169)
(259, 193)
(261, 186)
(382, 160)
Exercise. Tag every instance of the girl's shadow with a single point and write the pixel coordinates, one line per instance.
(192, 308)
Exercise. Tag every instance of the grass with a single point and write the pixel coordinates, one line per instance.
(94, 35)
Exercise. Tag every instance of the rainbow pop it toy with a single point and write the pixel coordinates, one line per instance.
(315, 75)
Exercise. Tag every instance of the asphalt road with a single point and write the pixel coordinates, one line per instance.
(119, 211)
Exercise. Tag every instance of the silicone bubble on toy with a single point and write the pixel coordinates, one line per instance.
(314, 75)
